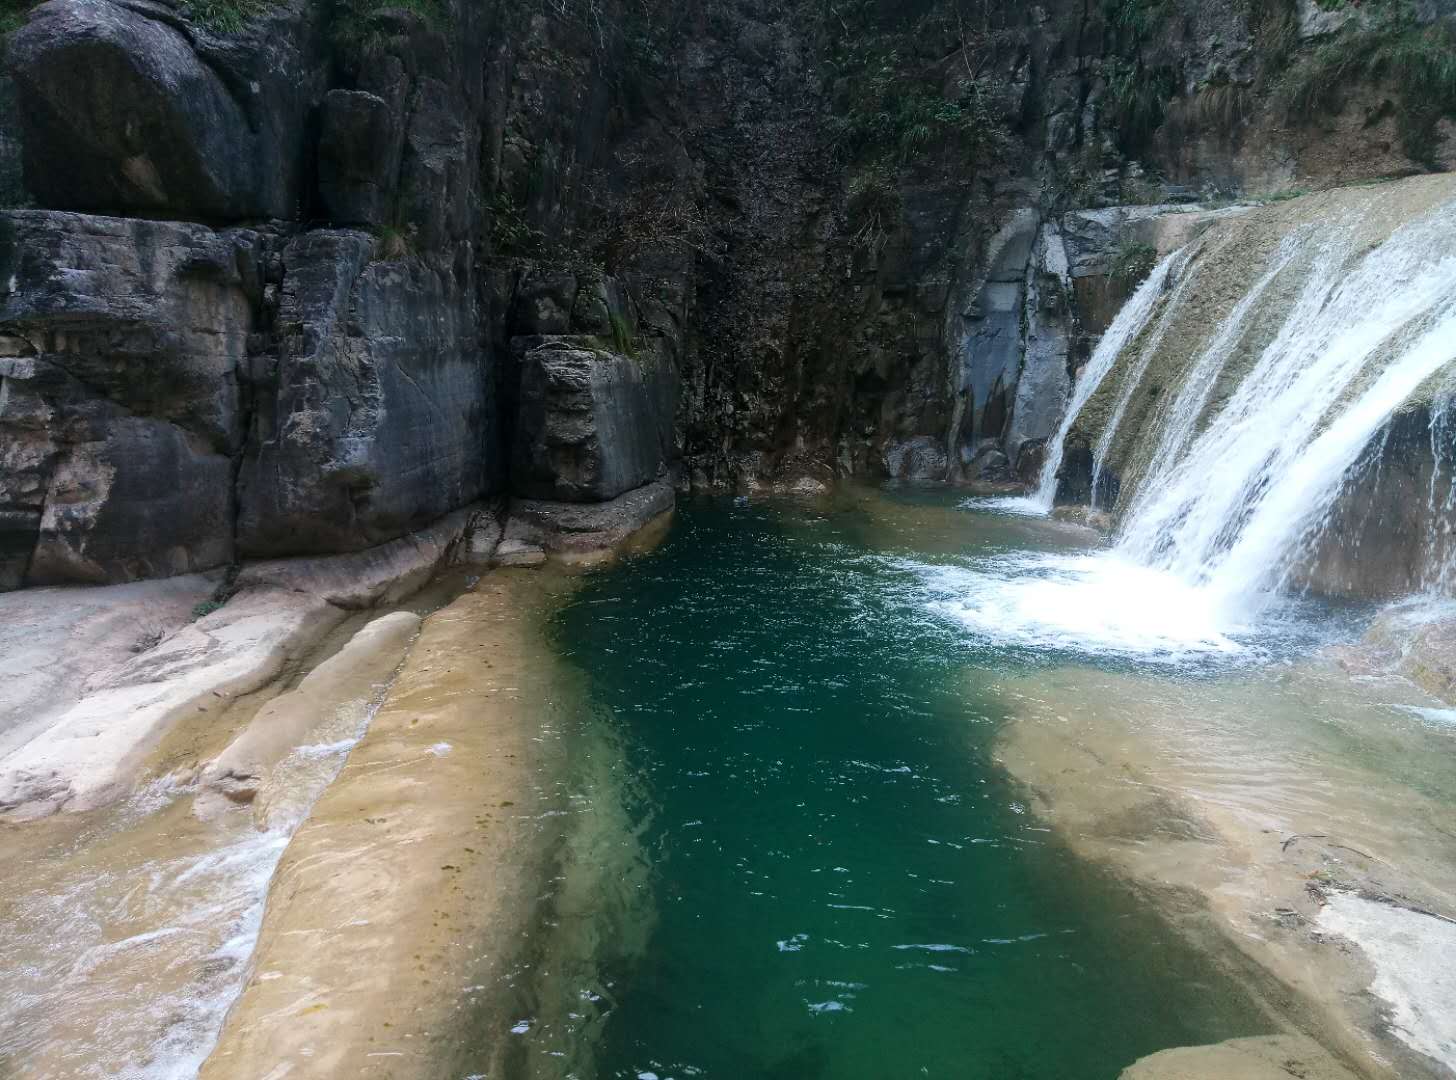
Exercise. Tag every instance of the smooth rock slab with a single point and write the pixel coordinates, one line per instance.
(1273, 1057)
(89, 754)
(54, 641)
(577, 528)
(342, 684)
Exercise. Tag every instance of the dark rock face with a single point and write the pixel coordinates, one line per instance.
(1396, 502)
(592, 425)
(128, 109)
(377, 415)
(121, 344)
(360, 144)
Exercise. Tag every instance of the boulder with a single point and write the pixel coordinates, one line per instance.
(378, 415)
(131, 109)
(592, 424)
(121, 346)
(920, 459)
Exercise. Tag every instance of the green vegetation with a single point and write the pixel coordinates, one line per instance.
(1386, 48)
(510, 233)
(207, 607)
(1137, 101)
(362, 29)
(1274, 30)
(1132, 263)
(1138, 91)
(897, 107)
(12, 16)
(910, 93)
(624, 340)
(223, 16)
(874, 208)
(395, 243)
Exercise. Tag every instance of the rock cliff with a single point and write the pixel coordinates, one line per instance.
(291, 277)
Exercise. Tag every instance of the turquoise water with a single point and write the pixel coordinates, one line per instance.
(839, 881)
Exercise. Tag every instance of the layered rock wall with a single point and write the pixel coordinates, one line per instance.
(300, 278)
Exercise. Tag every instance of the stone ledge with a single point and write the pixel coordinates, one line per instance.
(577, 528)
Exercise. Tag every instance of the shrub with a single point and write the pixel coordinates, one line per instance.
(362, 29)
(12, 16)
(1136, 101)
(623, 340)
(1132, 263)
(1416, 62)
(874, 208)
(223, 16)
(394, 244)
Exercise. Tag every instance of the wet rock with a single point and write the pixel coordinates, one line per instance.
(340, 688)
(513, 552)
(53, 640)
(991, 352)
(127, 108)
(377, 576)
(592, 425)
(89, 754)
(1043, 383)
(920, 459)
(1085, 516)
(1267, 1057)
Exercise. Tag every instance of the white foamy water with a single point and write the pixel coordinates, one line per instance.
(1092, 603)
(1235, 493)
(125, 947)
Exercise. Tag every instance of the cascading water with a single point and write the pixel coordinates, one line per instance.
(1235, 420)
(1125, 328)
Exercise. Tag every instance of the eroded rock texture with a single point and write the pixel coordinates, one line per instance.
(302, 277)
(120, 408)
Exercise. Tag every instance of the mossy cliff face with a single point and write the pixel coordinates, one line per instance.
(855, 234)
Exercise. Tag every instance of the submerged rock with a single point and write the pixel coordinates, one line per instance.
(344, 683)
(1269, 1057)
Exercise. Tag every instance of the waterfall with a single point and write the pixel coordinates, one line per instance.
(1227, 509)
(1125, 328)
(1239, 398)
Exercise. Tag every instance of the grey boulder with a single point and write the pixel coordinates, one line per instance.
(592, 425)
